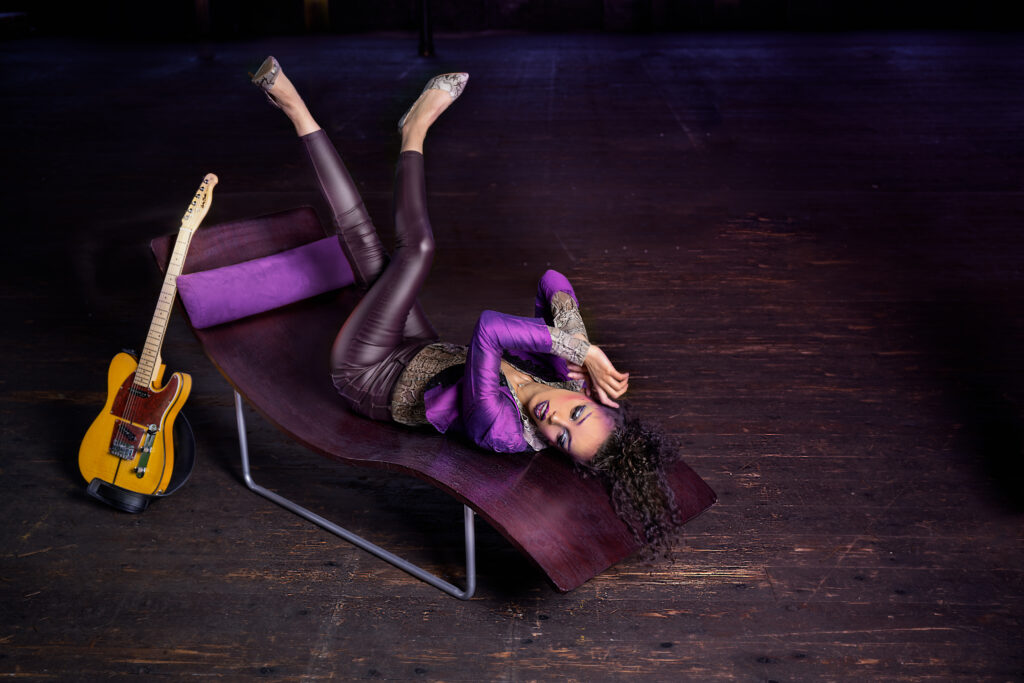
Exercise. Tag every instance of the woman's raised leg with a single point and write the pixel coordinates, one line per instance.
(283, 95)
(376, 327)
(358, 236)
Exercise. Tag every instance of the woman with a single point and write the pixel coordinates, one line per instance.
(521, 383)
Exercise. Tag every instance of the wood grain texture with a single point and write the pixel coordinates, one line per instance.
(806, 249)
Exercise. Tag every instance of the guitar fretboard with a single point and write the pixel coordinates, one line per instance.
(149, 359)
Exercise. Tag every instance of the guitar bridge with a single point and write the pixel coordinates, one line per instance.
(122, 449)
(124, 440)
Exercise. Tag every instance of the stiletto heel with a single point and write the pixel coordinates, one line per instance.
(265, 76)
(453, 84)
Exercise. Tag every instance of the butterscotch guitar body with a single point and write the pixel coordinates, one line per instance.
(130, 443)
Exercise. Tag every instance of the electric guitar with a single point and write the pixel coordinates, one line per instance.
(130, 443)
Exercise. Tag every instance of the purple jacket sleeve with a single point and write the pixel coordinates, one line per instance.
(551, 282)
(489, 413)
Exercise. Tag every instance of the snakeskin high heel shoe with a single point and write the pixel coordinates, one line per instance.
(453, 84)
(265, 77)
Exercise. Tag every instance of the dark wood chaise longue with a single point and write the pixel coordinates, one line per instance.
(562, 522)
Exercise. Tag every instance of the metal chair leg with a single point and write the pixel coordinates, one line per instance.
(357, 540)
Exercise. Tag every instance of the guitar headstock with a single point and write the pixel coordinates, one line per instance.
(200, 203)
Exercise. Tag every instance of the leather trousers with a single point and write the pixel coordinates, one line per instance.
(387, 327)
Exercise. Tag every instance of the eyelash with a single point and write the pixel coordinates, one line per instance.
(576, 412)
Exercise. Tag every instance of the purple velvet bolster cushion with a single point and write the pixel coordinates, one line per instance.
(217, 296)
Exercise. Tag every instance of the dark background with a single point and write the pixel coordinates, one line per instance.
(233, 19)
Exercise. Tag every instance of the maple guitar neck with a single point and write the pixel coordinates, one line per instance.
(149, 360)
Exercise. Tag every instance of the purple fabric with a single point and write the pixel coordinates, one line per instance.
(550, 283)
(216, 296)
(478, 405)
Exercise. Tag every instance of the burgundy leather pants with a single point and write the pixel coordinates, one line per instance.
(388, 327)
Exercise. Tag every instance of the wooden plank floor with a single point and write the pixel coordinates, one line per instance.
(805, 248)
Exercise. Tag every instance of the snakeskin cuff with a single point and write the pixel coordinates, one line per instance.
(566, 314)
(564, 345)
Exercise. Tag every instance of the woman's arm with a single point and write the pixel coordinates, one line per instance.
(484, 400)
(557, 303)
(565, 315)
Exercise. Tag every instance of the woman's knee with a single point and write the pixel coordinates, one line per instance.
(418, 246)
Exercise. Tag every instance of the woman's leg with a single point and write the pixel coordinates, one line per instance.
(358, 235)
(359, 238)
(375, 328)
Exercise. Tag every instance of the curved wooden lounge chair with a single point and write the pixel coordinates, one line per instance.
(563, 523)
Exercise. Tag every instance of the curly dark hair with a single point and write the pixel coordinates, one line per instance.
(632, 463)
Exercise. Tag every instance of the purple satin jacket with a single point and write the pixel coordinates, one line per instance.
(477, 405)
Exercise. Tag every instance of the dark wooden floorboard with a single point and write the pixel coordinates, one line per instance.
(805, 248)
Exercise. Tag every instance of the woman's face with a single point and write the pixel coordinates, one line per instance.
(570, 421)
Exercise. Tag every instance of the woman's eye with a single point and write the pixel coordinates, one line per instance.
(562, 440)
(576, 413)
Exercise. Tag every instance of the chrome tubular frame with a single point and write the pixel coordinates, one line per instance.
(357, 540)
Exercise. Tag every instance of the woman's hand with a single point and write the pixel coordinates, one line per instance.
(603, 381)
